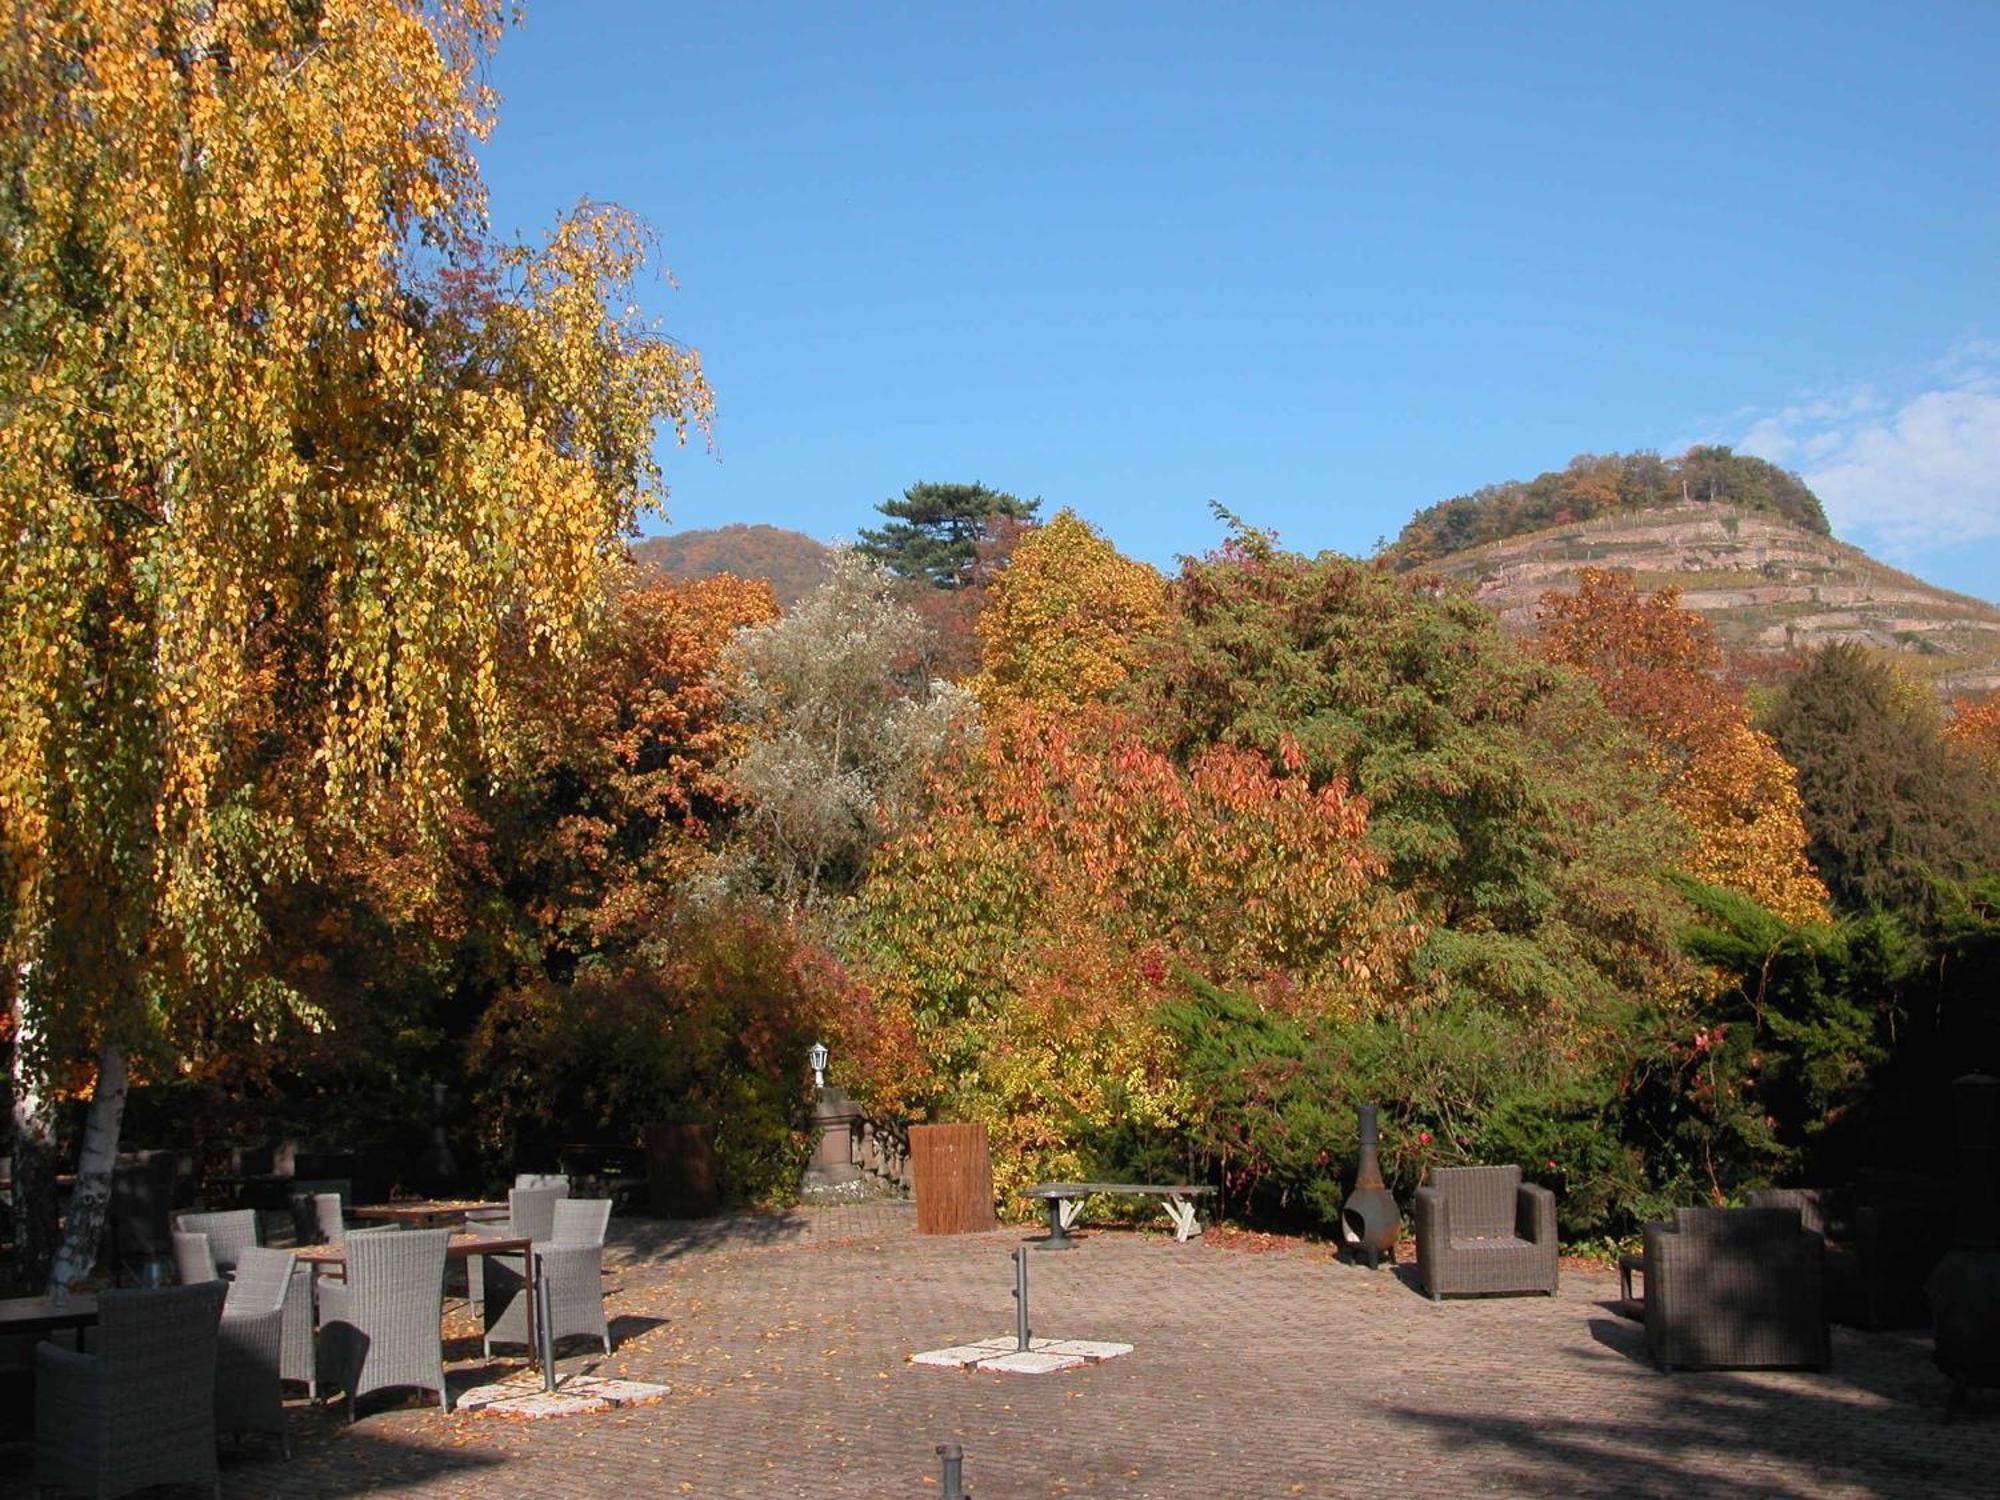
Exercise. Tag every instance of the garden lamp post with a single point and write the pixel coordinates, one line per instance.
(816, 1055)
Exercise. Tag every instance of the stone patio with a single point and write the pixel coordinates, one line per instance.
(784, 1342)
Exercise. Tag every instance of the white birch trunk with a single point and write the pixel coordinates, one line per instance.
(90, 1205)
(34, 1145)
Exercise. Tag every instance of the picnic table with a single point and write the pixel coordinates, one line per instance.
(1065, 1201)
(427, 1213)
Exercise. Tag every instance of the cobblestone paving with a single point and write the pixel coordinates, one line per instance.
(785, 1341)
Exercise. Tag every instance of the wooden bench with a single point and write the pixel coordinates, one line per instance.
(1065, 1201)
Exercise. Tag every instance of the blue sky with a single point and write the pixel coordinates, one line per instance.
(1324, 264)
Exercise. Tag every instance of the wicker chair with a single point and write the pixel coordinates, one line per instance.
(230, 1232)
(1883, 1235)
(196, 1257)
(1734, 1287)
(572, 1261)
(193, 1260)
(249, 1395)
(1482, 1230)
(140, 1409)
(530, 1216)
(318, 1219)
(380, 1328)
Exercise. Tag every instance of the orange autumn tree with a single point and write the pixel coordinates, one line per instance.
(1066, 880)
(1067, 620)
(1975, 726)
(1658, 667)
(624, 777)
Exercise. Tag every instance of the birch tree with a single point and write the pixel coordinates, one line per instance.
(283, 459)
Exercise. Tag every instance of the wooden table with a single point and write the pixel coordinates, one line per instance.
(460, 1246)
(39, 1315)
(430, 1213)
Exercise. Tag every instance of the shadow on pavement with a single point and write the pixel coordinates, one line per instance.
(1873, 1423)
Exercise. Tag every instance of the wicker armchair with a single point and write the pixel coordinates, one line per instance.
(140, 1409)
(249, 1396)
(530, 1216)
(230, 1232)
(1883, 1235)
(572, 1261)
(193, 1260)
(318, 1219)
(196, 1255)
(1734, 1287)
(580, 1221)
(1481, 1229)
(380, 1327)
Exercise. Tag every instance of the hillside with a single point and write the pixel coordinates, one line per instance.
(1767, 585)
(1596, 485)
(791, 561)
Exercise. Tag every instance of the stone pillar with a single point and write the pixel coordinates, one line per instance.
(835, 1120)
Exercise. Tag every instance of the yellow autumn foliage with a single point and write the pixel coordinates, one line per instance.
(1068, 619)
(288, 454)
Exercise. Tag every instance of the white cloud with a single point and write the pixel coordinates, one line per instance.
(1908, 473)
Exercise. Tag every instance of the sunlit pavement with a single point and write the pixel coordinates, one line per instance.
(784, 1341)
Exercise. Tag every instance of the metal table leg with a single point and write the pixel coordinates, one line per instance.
(538, 1305)
(1058, 1234)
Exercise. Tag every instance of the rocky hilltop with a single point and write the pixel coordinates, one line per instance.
(1767, 585)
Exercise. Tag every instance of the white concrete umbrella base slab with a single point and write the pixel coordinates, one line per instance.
(522, 1397)
(1041, 1357)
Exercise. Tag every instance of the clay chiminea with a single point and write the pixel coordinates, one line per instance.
(1370, 1220)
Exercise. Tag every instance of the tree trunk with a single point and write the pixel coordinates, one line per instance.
(34, 1150)
(90, 1205)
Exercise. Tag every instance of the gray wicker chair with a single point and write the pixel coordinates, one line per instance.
(318, 1219)
(249, 1395)
(580, 1221)
(1734, 1288)
(230, 1232)
(531, 1215)
(572, 1259)
(140, 1409)
(531, 1211)
(380, 1328)
(543, 1180)
(193, 1260)
(1482, 1230)
(195, 1256)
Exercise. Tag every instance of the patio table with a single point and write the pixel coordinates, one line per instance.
(40, 1315)
(428, 1213)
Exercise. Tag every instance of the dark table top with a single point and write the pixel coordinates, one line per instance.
(428, 1212)
(41, 1315)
